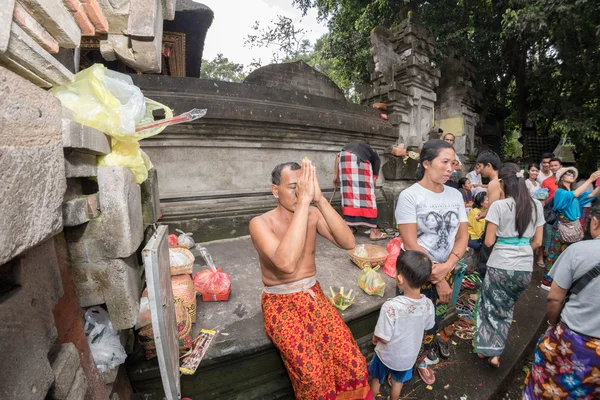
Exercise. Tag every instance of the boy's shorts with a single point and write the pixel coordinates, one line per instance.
(378, 370)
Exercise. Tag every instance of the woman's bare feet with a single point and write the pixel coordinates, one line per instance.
(494, 362)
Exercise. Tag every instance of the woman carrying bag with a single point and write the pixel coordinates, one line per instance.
(566, 363)
(567, 204)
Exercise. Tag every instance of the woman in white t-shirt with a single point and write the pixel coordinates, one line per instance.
(432, 218)
(532, 184)
(515, 225)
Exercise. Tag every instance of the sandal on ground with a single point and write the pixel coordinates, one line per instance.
(443, 348)
(427, 375)
(382, 236)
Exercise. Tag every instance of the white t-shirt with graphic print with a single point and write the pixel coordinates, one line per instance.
(402, 323)
(437, 215)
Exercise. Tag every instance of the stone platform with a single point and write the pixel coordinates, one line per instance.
(243, 364)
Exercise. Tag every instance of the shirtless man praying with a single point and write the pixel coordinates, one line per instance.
(318, 349)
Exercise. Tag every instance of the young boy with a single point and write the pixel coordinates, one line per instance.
(401, 324)
(489, 163)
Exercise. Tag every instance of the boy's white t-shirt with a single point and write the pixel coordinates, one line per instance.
(437, 215)
(402, 322)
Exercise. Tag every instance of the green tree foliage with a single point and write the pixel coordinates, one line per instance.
(221, 69)
(537, 60)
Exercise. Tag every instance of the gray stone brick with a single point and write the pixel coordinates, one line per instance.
(27, 331)
(80, 210)
(53, 16)
(23, 50)
(31, 165)
(79, 386)
(115, 282)
(150, 198)
(83, 138)
(80, 165)
(64, 359)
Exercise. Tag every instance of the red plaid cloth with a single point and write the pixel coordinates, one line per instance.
(357, 188)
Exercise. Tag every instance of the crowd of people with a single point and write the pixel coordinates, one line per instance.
(515, 220)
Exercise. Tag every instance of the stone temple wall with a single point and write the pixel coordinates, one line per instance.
(215, 172)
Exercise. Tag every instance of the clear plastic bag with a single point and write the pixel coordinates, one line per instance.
(341, 300)
(393, 248)
(144, 318)
(104, 341)
(371, 281)
(185, 239)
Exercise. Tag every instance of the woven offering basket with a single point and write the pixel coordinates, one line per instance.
(376, 255)
(182, 268)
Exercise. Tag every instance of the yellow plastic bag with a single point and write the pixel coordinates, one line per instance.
(128, 154)
(371, 281)
(109, 101)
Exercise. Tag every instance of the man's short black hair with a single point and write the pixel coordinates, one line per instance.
(489, 157)
(556, 159)
(276, 174)
(547, 155)
(415, 267)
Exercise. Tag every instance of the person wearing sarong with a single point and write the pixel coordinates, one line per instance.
(566, 363)
(319, 352)
(432, 218)
(568, 203)
(356, 172)
(515, 224)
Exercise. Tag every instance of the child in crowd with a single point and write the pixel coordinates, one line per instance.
(465, 188)
(477, 227)
(401, 324)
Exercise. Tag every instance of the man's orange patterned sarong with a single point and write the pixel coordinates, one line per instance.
(317, 348)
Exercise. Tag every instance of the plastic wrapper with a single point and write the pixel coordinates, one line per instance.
(212, 282)
(189, 116)
(393, 248)
(341, 300)
(541, 194)
(371, 281)
(185, 239)
(104, 341)
(361, 251)
(144, 318)
(173, 241)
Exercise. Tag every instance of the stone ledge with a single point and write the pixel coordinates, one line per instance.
(81, 210)
(83, 138)
(80, 165)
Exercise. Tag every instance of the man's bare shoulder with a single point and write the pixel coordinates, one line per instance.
(262, 221)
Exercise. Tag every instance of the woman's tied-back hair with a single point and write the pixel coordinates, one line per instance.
(276, 174)
(429, 152)
(515, 187)
(479, 199)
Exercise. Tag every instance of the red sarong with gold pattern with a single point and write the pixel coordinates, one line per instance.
(317, 348)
